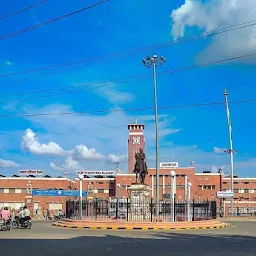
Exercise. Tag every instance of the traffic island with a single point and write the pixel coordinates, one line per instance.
(145, 226)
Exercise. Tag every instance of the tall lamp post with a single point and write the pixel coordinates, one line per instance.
(154, 62)
(81, 177)
(173, 192)
(188, 200)
(117, 200)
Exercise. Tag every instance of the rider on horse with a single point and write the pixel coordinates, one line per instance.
(140, 166)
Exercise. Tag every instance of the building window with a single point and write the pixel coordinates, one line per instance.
(213, 187)
(224, 182)
(18, 190)
(6, 190)
(246, 191)
(100, 190)
(200, 198)
(236, 182)
(100, 182)
(1, 190)
(206, 178)
(246, 182)
(236, 190)
(200, 187)
(200, 178)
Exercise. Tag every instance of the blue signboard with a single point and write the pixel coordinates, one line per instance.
(39, 192)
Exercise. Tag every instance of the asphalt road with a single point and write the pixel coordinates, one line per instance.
(44, 240)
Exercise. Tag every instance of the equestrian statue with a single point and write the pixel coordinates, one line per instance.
(140, 168)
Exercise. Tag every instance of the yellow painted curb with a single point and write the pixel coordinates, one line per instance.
(128, 228)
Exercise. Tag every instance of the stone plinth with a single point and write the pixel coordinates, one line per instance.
(139, 202)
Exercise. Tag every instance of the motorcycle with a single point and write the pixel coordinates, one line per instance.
(18, 222)
(5, 225)
(58, 217)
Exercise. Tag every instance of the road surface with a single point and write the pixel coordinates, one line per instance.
(45, 240)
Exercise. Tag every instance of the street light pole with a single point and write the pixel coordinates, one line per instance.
(230, 151)
(149, 62)
(117, 200)
(188, 200)
(80, 176)
(173, 192)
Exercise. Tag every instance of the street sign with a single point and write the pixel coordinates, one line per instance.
(39, 192)
(31, 172)
(225, 194)
(169, 165)
(95, 173)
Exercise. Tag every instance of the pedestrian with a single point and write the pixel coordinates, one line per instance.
(47, 214)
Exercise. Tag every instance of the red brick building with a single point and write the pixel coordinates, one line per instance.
(13, 191)
(110, 184)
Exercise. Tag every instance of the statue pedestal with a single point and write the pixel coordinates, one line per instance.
(139, 202)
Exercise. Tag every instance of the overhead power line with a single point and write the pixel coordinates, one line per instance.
(126, 53)
(23, 10)
(123, 80)
(127, 109)
(21, 31)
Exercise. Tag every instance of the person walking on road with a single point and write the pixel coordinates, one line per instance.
(47, 214)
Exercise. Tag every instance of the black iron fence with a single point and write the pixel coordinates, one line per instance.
(124, 209)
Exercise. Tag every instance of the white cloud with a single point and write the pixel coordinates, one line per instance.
(55, 167)
(82, 152)
(115, 96)
(219, 150)
(31, 144)
(8, 63)
(214, 14)
(69, 164)
(7, 163)
(112, 158)
(106, 132)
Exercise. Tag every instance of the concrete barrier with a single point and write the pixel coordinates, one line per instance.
(122, 225)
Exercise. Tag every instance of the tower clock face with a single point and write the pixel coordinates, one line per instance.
(136, 140)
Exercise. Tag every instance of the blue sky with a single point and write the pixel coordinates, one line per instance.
(93, 141)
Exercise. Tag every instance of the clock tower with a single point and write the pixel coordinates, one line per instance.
(136, 141)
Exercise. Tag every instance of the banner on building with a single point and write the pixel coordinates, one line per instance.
(31, 172)
(75, 193)
(224, 194)
(96, 173)
(169, 165)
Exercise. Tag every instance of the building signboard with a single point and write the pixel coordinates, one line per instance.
(169, 165)
(31, 172)
(96, 173)
(39, 192)
(224, 194)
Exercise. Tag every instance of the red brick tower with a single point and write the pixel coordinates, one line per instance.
(136, 141)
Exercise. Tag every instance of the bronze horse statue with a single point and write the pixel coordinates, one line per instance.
(140, 168)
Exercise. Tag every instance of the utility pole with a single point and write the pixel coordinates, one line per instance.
(230, 151)
(154, 62)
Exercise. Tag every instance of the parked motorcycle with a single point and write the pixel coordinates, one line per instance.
(5, 226)
(18, 222)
